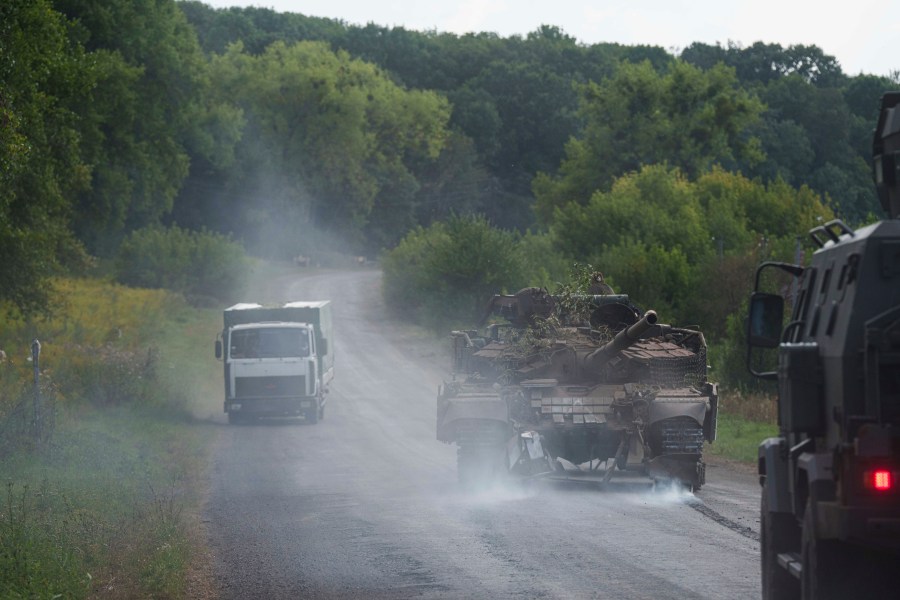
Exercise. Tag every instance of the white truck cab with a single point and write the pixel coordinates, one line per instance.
(277, 360)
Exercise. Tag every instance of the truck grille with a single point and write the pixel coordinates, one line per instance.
(270, 387)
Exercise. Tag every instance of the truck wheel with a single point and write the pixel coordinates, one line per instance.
(834, 570)
(828, 572)
(778, 532)
(321, 412)
(312, 415)
(235, 418)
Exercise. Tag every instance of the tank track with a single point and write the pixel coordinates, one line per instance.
(681, 438)
(680, 435)
(481, 452)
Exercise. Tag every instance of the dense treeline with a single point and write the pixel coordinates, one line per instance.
(291, 134)
(518, 98)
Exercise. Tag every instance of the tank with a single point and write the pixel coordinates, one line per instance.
(577, 386)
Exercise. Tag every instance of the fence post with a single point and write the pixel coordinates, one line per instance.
(35, 359)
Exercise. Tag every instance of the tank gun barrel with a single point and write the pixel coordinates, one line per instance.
(623, 339)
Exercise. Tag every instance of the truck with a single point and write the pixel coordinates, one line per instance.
(830, 501)
(577, 387)
(279, 360)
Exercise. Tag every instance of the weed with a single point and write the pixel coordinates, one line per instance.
(104, 510)
(37, 558)
(755, 407)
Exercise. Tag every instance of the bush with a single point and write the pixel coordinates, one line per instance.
(201, 265)
(108, 375)
(447, 273)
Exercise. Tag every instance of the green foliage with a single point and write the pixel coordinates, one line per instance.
(95, 345)
(516, 98)
(654, 276)
(655, 206)
(147, 114)
(686, 118)
(200, 265)
(544, 265)
(512, 97)
(331, 144)
(106, 507)
(686, 249)
(38, 553)
(105, 512)
(448, 272)
(763, 63)
(739, 438)
(40, 165)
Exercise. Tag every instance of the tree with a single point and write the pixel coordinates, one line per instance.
(144, 118)
(687, 118)
(763, 63)
(42, 76)
(704, 56)
(448, 272)
(330, 141)
(789, 151)
(657, 206)
(666, 240)
(836, 169)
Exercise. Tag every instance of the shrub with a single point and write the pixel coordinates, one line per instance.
(108, 375)
(199, 264)
(447, 273)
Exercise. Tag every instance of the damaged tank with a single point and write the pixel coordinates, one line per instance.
(583, 386)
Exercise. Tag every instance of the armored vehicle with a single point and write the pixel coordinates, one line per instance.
(830, 509)
(549, 392)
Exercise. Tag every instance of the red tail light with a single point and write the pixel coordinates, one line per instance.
(881, 480)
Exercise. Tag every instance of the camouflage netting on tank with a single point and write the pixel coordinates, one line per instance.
(678, 371)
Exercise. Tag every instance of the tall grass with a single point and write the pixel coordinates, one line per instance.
(745, 420)
(103, 509)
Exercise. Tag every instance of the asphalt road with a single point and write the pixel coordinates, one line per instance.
(365, 504)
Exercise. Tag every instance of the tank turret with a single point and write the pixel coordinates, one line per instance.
(624, 339)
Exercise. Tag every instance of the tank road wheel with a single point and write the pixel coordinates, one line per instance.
(701, 475)
(778, 532)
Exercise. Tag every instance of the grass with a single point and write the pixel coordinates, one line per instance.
(106, 507)
(101, 512)
(738, 438)
(745, 420)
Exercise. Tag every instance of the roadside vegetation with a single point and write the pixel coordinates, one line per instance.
(105, 502)
(745, 419)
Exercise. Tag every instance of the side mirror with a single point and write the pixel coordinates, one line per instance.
(218, 348)
(766, 319)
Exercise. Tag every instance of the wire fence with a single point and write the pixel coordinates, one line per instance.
(31, 420)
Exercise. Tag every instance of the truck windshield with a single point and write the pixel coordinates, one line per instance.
(269, 342)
